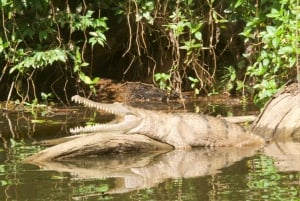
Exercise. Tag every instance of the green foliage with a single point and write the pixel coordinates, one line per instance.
(185, 35)
(163, 80)
(84, 22)
(46, 97)
(229, 79)
(273, 39)
(182, 29)
(194, 85)
(39, 34)
(79, 64)
(36, 36)
(145, 11)
(270, 37)
(39, 60)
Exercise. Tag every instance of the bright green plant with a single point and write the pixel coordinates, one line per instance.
(46, 97)
(185, 35)
(39, 60)
(194, 84)
(229, 79)
(163, 80)
(273, 38)
(62, 38)
(146, 8)
(79, 65)
(183, 30)
(39, 35)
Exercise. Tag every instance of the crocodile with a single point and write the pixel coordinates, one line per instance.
(181, 130)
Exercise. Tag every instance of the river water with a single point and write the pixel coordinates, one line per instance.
(269, 173)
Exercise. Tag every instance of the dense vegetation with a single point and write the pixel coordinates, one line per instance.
(58, 48)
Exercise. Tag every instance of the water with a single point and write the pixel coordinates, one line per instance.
(270, 173)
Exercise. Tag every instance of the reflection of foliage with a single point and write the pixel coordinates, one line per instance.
(264, 170)
(255, 178)
(20, 150)
(266, 181)
(16, 151)
(90, 189)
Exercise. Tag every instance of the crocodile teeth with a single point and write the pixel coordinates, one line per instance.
(79, 129)
(76, 129)
(91, 128)
(91, 104)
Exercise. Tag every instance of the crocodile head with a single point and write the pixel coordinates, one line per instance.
(129, 116)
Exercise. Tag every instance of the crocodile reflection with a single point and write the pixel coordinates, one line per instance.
(147, 170)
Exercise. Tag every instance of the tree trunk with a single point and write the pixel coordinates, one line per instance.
(281, 116)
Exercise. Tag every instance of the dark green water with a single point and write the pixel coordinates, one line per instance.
(270, 173)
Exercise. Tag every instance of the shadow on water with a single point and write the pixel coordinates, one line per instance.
(271, 173)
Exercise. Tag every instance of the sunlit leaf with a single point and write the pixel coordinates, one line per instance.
(86, 79)
(198, 35)
(285, 50)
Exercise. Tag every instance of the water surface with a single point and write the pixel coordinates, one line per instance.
(270, 173)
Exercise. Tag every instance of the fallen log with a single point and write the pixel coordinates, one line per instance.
(99, 144)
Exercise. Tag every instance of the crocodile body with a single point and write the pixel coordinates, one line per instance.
(181, 130)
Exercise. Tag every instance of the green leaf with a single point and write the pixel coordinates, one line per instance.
(195, 27)
(275, 42)
(1, 45)
(198, 36)
(96, 80)
(86, 79)
(98, 38)
(285, 50)
(101, 22)
(238, 3)
(194, 80)
(271, 30)
(232, 76)
(84, 64)
(43, 34)
(266, 62)
(274, 13)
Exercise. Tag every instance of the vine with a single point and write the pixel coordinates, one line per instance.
(248, 47)
(179, 29)
(38, 35)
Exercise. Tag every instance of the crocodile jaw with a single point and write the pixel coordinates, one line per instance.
(130, 119)
(114, 108)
